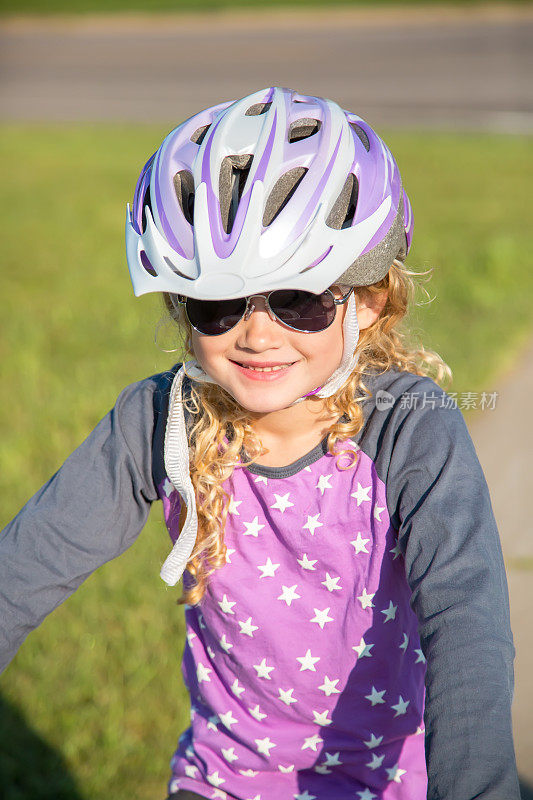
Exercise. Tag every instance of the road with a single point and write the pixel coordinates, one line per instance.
(462, 68)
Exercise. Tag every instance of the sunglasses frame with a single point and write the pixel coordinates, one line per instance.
(338, 301)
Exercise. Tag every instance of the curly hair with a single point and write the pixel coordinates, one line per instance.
(222, 432)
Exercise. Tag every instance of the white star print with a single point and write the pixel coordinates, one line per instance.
(390, 612)
(421, 657)
(202, 673)
(168, 488)
(396, 550)
(404, 643)
(191, 770)
(363, 649)
(257, 713)
(201, 621)
(321, 718)
(224, 643)
(375, 696)
(377, 512)
(360, 544)
(289, 594)
(282, 502)
(331, 583)
(233, 505)
(229, 754)
(312, 523)
(374, 741)
(253, 527)
(257, 797)
(322, 769)
(366, 599)
(308, 469)
(265, 745)
(324, 483)
(419, 730)
(268, 569)
(190, 636)
(395, 773)
(333, 760)
(376, 762)
(305, 563)
(261, 479)
(218, 793)
(305, 796)
(250, 773)
(366, 795)
(290, 768)
(215, 779)
(211, 652)
(321, 617)
(312, 742)
(227, 719)
(212, 723)
(248, 628)
(308, 661)
(227, 605)
(229, 552)
(329, 686)
(236, 689)
(285, 695)
(262, 670)
(401, 706)
(361, 494)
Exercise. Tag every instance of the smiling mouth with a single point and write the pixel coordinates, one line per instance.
(265, 368)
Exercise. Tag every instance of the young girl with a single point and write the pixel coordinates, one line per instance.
(346, 603)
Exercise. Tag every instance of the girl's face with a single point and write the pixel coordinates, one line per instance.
(307, 359)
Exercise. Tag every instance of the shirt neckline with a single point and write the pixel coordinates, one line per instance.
(291, 469)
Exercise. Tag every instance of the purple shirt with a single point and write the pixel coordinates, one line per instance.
(303, 659)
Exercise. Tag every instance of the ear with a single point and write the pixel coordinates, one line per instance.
(369, 306)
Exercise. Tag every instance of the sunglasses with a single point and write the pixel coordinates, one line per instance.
(301, 311)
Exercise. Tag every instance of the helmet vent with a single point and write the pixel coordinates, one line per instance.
(184, 188)
(234, 172)
(343, 212)
(281, 193)
(361, 134)
(147, 201)
(303, 129)
(174, 268)
(145, 261)
(199, 134)
(257, 109)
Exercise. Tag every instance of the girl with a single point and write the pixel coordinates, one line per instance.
(345, 597)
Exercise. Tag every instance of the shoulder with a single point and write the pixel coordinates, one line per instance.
(410, 418)
(150, 392)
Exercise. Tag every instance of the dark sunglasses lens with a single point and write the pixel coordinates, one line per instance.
(214, 317)
(302, 310)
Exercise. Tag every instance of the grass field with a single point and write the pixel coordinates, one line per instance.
(93, 704)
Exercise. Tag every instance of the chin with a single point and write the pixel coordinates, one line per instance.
(265, 403)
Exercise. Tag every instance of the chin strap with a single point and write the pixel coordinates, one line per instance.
(177, 447)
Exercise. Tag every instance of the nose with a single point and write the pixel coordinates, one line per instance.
(259, 327)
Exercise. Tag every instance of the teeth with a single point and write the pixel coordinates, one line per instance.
(268, 369)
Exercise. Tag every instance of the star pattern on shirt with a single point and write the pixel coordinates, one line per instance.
(324, 483)
(312, 523)
(270, 574)
(360, 544)
(361, 495)
(268, 570)
(282, 502)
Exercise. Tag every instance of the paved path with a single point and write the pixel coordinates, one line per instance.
(466, 68)
(504, 442)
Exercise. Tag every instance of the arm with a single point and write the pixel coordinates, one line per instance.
(441, 507)
(88, 513)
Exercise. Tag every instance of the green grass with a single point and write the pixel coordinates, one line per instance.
(93, 703)
(49, 7)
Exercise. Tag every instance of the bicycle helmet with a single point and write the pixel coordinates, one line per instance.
(276, 190)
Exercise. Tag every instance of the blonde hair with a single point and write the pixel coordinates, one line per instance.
(222, 432)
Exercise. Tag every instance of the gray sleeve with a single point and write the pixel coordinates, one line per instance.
(88, 513)
(441, 507)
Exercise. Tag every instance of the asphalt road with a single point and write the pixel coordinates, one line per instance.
(467, 68)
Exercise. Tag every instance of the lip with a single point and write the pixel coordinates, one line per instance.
(264, 376)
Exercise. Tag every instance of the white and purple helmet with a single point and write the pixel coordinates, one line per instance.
(277, 190)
